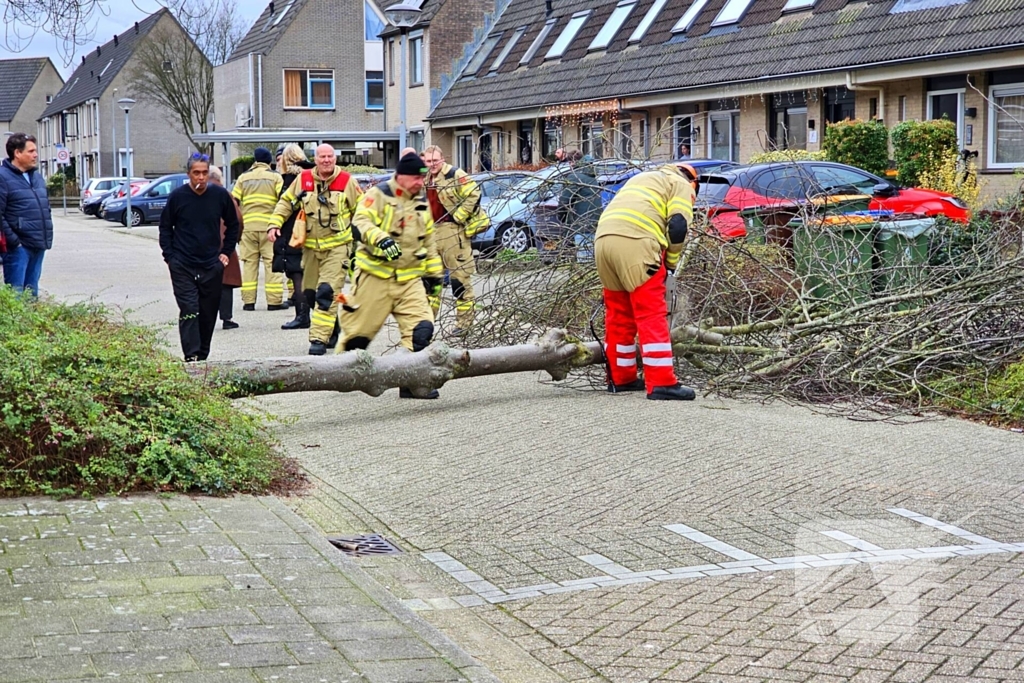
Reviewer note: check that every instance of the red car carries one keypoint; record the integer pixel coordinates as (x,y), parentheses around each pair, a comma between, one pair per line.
(790,184)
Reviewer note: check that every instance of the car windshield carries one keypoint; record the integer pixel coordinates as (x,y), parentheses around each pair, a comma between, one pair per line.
(713,189)
(532,189)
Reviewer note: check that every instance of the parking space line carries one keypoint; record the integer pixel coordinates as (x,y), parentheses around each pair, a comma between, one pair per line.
(711,542)
(850,540)
(942,526)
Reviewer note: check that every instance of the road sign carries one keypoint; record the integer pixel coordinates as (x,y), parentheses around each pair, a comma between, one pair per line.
(63,157)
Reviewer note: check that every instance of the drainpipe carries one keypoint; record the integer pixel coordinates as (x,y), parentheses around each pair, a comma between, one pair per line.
(259,75)
(880,90)
(252,104)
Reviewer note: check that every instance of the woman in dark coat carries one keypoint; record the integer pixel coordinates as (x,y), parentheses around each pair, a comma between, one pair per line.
(232,278)
(287,259)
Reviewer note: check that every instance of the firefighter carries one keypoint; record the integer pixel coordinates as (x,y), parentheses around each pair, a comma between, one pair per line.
(454,200)
(639,239)
(257,191)
(397,264)
(328,197)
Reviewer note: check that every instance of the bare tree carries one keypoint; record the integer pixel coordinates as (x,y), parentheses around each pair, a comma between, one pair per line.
(176,71)
(69,21)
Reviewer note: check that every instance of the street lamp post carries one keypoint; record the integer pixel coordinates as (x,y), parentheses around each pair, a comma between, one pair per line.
(127,103)
(402,16)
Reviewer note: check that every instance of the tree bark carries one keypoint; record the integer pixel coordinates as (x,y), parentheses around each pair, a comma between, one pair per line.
(553,353)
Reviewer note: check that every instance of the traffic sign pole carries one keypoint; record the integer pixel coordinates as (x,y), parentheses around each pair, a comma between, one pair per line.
(63,157)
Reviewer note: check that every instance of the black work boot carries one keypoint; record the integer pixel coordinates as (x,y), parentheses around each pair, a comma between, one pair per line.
(301,320)
(317,348)
(635,385)
(277,307)
(407,393)
(248,307)
(676,392)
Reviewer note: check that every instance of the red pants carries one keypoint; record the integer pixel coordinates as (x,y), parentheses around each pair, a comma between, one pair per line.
(641,311)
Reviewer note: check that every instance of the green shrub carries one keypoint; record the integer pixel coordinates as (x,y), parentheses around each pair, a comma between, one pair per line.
(240,165)
(357,168)
(864,144)
(88,406)
(920,146)
(997,397)
(786,155)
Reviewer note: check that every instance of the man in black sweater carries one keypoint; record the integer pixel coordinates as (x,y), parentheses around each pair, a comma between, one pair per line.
(191,246)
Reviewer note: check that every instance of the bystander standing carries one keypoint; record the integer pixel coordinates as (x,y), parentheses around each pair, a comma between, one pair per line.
(232,279)
(25,213)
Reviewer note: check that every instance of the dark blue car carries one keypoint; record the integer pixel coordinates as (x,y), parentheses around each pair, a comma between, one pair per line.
(621,171)
(148,203)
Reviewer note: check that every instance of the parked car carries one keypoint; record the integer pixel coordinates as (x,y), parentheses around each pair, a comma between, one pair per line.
(147,203)
(92,206)
(368,180)
(613,181)
(788,185)
(97,186)
(493,185)
(516,214)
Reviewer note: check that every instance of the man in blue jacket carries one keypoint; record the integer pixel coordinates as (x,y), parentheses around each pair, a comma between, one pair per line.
(25,214)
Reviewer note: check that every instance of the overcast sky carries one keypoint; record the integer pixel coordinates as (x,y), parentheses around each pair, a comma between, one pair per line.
(118,15)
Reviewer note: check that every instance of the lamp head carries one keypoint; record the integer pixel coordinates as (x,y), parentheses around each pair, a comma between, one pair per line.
(126,103)
(404,14)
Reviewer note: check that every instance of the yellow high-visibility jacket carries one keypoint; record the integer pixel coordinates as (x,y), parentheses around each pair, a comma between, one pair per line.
(645,203)
(257,191)
(328,222)
(460,196)
(389,211)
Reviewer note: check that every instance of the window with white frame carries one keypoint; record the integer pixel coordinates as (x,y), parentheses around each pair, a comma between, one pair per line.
(948,104)
(538,41)
(592,139)
(682,136)
(641,29)
(500,59)
(1005,129)
(308,89)
(391,61)
(689,16)
(375,90)
(732,12)
(565,39)
(724,135)
(416,59)
(611,27)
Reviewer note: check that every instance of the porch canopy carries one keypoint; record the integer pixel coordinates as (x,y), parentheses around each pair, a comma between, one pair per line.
(383,138)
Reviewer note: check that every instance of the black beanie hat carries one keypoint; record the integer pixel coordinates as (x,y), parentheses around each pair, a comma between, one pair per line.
(411,164)
(262,155)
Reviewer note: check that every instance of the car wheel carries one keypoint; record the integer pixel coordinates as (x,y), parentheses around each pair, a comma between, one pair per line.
(137,217)
(515,238)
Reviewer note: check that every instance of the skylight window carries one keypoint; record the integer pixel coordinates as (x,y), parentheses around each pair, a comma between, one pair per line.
(641,30)
(535,45)
(690,16)
(106,67)
(914,5)
(482,54)
(568,33)
(792,5)
(731,13)
(283,12)
(612,26)
(500,59)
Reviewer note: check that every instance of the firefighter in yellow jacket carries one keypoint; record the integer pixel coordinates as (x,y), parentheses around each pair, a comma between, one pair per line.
(639,236)
(328,197)
(397,264)
(454,200)
(257,191)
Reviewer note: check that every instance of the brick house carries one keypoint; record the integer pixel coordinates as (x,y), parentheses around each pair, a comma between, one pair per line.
(29,85)
(729,78)
(305,65)
(84,115)
(439,45)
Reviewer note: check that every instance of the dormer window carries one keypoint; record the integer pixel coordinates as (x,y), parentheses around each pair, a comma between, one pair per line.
(731,13)
(568,34)
(612,26)
(689,16)
(641,30)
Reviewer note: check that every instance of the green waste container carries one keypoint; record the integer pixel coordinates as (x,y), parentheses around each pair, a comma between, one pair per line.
(834,255)
(902,248)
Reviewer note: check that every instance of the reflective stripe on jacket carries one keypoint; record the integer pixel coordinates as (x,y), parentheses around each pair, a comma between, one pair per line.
(257,191)
(460,195)
(389,211)
(328,222)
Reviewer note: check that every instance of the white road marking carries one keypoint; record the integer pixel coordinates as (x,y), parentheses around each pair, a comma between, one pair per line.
(942,526)
(849,540)
(692,534)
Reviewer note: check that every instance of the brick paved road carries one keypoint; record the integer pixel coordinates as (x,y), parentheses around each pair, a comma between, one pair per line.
(516,481)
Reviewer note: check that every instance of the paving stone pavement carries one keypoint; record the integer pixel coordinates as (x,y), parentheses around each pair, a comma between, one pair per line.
(529,486)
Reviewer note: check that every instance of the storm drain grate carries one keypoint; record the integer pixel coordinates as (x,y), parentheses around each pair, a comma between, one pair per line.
(364,544)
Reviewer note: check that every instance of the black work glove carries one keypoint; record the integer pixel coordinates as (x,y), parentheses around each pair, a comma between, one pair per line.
(433,285)
(677,229)
(390,248)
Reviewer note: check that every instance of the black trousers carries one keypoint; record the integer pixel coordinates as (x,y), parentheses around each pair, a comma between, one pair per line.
(227,296)
(197,292)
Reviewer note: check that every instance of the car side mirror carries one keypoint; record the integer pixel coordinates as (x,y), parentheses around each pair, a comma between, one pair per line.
(883,190)
(152,193)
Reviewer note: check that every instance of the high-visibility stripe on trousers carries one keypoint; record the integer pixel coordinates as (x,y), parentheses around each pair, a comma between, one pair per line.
(457,257)
(642,313)
(254,247)
(318,268)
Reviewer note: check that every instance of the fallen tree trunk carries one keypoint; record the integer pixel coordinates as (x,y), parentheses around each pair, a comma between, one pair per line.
(554,353)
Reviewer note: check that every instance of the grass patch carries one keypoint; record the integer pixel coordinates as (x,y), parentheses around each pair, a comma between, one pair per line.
(997,399)
(89,407)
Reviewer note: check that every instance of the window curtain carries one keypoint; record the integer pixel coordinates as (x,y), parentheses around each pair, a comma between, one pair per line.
(293,88)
